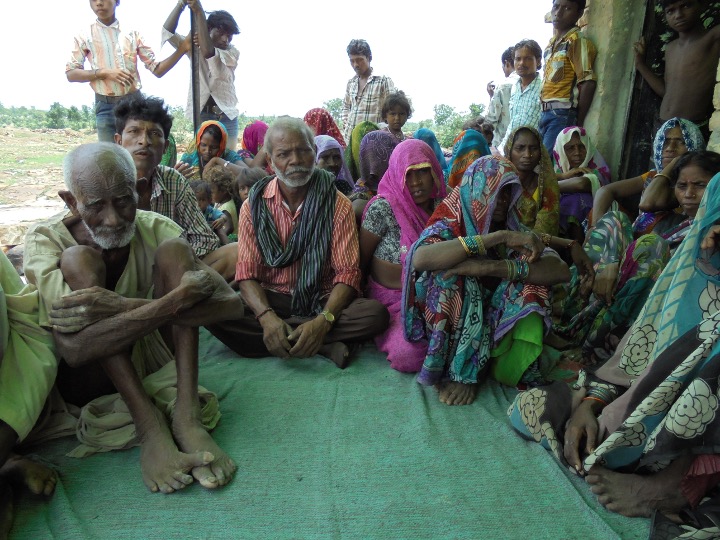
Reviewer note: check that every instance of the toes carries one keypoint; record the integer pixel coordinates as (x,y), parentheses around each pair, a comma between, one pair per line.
(152,486)
(166,489)
(183,478)
(205,476)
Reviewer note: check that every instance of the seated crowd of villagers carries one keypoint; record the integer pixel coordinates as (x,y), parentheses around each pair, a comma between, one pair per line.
(460,265)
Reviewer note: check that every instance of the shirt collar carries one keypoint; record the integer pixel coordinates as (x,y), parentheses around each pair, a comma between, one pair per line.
(158,186)
(114,24)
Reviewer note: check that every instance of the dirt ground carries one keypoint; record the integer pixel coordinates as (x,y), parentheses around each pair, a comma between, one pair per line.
(31,175)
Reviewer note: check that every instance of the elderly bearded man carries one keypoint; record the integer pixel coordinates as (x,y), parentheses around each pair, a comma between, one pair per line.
(109,276)
(298,260)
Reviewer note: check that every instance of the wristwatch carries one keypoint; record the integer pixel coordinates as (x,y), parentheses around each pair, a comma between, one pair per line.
(329,317)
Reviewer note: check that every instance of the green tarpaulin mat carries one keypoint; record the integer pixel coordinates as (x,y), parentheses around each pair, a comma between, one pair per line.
(364,452)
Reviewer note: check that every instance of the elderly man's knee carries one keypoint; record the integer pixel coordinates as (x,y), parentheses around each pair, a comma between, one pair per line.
(174,254)
(82,267)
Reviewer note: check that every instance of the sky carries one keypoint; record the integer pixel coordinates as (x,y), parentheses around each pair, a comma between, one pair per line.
(292,53)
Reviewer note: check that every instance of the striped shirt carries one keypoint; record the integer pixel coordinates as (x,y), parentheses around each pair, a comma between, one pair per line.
(524,107)
(568,61)
(108,47)
(366,105)
(173,197)
(342,265)
(217,77)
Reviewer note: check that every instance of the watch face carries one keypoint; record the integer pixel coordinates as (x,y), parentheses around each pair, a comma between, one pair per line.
(329,317)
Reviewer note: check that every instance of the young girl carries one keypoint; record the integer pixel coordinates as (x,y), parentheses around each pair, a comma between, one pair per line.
(396,110)
(223,192)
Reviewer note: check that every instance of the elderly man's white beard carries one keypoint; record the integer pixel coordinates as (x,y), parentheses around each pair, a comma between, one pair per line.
(289,182)
(110,237)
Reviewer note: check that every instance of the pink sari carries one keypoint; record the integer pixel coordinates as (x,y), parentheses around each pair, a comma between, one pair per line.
(409,154)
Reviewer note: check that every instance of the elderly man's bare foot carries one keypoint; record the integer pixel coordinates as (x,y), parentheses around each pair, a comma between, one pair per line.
(456,393)
(23,471)
(164,468)
(338,352)
(633,495)
(192,437)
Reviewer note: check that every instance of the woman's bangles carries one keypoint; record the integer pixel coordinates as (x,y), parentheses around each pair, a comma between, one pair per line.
(473,245)
(600,395)
(517,270)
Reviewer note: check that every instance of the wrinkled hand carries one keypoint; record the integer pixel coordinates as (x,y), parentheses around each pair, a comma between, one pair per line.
(309,337)
(470,267)
(120,76)
(528,244)
(712,239)
(84,307)
(184,168)
(582,425)
(219,223)
(275,335)
(639,47)
(491,88)
(604,287)
(585,268)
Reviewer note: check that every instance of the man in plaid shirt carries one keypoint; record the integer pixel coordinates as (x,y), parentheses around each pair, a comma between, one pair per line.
(365,92)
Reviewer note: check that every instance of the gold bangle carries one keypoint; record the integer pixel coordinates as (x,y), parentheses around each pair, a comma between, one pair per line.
(464,245)
(482,250)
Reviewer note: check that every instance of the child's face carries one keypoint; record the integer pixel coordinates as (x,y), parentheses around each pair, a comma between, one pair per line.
(244,191)
(202,199)
(396,118)
(218,194)
(525,62)
(575,151)
(684,15)
(565,14)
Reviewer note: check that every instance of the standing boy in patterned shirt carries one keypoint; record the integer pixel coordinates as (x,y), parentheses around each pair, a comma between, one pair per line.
(569,79)
(113,54)
(365,92)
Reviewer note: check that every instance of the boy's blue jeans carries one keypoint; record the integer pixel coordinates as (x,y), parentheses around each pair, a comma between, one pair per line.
(552,122)
(105,121)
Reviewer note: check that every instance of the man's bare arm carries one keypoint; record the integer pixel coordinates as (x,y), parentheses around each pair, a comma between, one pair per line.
(166,65)
(655,82)
(586,90)
(204,42)
(202,298)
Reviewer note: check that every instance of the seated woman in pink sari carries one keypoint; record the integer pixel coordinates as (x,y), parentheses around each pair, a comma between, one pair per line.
(392,222)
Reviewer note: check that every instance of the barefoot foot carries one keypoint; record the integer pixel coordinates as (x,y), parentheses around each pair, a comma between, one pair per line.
(192,437)
(456,393)
(164,468)
(25,472)
(634,495)
(338,352)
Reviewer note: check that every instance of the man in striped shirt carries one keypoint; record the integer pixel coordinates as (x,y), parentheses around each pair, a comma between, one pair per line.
(298,260)
(365,92)
(113,54)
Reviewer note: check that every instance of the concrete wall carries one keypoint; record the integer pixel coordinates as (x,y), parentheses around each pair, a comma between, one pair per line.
(614,26)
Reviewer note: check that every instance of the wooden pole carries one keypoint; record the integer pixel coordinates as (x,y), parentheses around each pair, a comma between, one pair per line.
(195,75)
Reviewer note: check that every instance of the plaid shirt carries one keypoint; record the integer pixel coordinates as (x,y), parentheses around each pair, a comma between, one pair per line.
(524,107)
(172,197)
(108,47)
(365,106)
(498,113)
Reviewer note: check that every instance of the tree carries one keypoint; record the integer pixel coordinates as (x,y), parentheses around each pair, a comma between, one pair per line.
(56,116)
(476,110)
(334,107)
